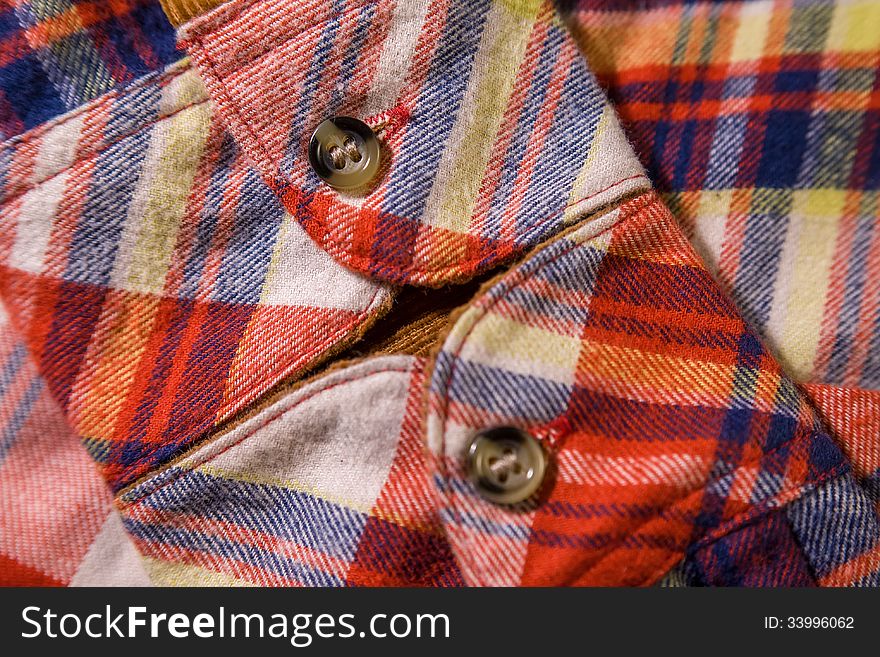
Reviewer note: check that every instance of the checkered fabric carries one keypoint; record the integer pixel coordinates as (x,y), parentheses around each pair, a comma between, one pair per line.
(495,134)
(829,537)
(760,124)
(672,430)
(157,281)
(57,522)
(329,487)
(167,257)
(728,466)
(853,418)
(56,55)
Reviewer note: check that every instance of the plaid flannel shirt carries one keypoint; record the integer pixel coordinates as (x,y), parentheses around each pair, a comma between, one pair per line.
(672,206)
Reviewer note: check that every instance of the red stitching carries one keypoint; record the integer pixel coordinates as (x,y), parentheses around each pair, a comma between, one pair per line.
(516,278)
(235,402)
(643,203)
(220,87)
(355,257)
(223,22)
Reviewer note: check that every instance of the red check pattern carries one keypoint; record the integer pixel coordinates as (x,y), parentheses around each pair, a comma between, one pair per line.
(56,55)
(759,123)
(228,514)
(162,284)
(670,426)
(494,134)
(157,282)
(58,526)
(853,418)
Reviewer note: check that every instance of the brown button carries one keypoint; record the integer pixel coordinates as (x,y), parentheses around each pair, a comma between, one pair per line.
(345,153)
(506,464)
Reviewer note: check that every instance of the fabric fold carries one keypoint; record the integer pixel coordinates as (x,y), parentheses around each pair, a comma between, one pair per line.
(157,282)
(327,487)
(58,526)
(494,133)
(673,432)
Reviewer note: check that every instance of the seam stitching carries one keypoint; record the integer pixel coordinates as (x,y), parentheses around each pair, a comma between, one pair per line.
(482,313)
(359,258)
(239,65)
(322,233)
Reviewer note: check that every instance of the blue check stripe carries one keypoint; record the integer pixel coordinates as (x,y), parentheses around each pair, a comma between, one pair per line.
(281,512)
